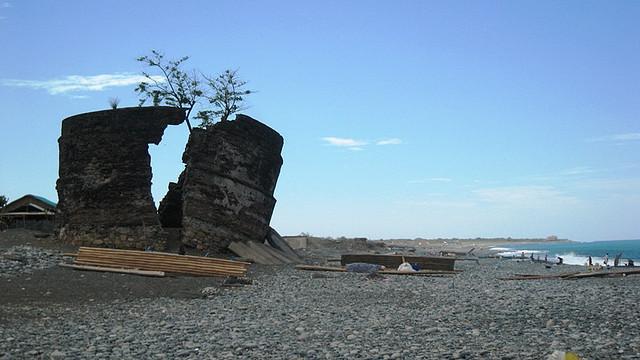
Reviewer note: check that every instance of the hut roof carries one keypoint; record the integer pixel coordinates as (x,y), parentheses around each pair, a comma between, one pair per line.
(29,204)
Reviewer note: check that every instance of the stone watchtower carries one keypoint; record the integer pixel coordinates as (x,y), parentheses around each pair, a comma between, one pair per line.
(104,185)
(225,193)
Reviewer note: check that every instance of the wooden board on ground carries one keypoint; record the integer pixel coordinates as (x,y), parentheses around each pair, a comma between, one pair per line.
(114,270)
(158,261)
(573,275)
(604,274)
(387,272)
(393,261)
(538,276)
(277,242)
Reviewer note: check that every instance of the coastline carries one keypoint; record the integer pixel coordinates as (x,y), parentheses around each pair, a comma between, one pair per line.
(480,246)
(52,312)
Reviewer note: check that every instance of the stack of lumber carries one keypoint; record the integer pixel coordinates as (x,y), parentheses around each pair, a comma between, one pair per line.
(386,272)
(159,262)
(393,261)
(262,254)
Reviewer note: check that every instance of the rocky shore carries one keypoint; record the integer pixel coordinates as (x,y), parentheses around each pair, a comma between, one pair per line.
(287,313)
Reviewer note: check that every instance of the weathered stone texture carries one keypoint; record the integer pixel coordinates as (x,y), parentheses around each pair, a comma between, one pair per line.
(104,188)
(170,208)
(227,186)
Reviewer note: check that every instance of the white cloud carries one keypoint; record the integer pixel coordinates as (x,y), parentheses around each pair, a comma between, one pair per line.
(5,5)
(634,136)
(433,179)
(392,141)
(579,170)
(344,142)
(522,195)
(79,83)
(625,185)
(628,136)
(439,204)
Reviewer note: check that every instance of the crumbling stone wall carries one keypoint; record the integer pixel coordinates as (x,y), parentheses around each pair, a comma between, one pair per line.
(225,193)
(104,185)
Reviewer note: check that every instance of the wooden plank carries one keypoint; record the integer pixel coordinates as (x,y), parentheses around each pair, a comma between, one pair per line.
(393,261)
(153,260)
(114,270)
(277,242)
(166,255)
(165,269)
(320,268)
(387,272)
(604,274)
(157,267)
(539,276)
(156,261)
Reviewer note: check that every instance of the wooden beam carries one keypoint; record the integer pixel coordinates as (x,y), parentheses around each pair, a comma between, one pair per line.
(114,270)
(386,272)
(393,261)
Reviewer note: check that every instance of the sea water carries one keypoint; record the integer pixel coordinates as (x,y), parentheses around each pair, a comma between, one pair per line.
(576,253)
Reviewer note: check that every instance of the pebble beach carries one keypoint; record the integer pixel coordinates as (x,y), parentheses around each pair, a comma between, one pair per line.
(294,314)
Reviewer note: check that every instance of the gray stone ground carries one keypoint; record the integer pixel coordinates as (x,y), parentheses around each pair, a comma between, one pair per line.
(288,313)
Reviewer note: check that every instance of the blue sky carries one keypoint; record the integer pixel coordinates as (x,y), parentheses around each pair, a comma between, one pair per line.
(400,118)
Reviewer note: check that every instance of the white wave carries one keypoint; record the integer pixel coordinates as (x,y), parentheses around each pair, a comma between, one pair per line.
(567,258)
(500,249)
(573,259)
(521,253)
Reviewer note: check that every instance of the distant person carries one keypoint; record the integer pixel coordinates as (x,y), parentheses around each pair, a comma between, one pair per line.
(560,260)
(605,261)
(531,256)
(545,257)
(590,261)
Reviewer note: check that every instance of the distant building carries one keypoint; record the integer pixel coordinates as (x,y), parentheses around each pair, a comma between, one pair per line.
(29,212)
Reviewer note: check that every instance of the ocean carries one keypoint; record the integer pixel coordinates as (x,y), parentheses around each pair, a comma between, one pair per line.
(577,253)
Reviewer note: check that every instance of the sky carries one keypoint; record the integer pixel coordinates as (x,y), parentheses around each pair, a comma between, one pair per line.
(401,119)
